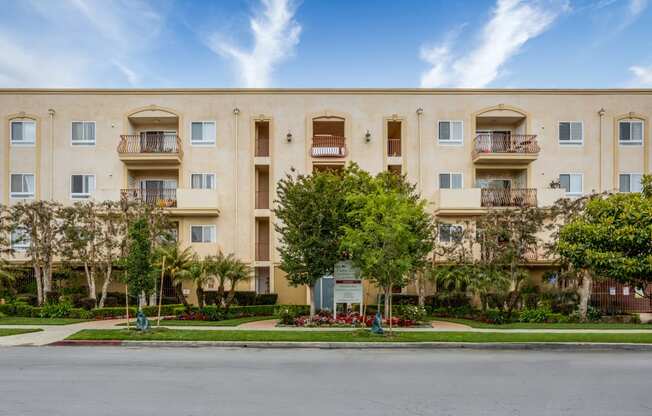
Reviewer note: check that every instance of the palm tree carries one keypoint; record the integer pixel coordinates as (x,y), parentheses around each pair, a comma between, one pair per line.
(239,272)
(199,276)
(227,269)
(176,265)
(6,277)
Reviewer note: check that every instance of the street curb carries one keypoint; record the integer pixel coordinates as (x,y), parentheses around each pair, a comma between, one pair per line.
(517,346)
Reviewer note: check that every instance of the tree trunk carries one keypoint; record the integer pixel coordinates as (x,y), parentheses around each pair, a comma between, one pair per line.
(142,300)
(105,285)
(179,291)
(585,294)
(388,296)
(47,278)
(39,285)
(312,301)
(421,290)
(200,296)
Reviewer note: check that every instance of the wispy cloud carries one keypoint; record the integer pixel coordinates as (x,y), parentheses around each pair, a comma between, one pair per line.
(275,36)
(642,76)
(512,24)
(76,43)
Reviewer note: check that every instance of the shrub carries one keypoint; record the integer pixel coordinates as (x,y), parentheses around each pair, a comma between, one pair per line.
(79,313)
(538,315)
(401,299)
(211,297)
(563,301)
(170,300)
(87,303)
(56,310)
(494,316)
(287,314)
(106,313)
(266,299)
(447,299)
(413,313)
(166,310)
(52,296)
(243,298)
(28,298)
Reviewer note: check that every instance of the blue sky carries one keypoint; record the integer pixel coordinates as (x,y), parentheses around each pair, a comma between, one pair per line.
(326,43)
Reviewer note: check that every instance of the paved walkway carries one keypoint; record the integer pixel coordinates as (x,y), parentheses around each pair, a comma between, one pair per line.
(54,333)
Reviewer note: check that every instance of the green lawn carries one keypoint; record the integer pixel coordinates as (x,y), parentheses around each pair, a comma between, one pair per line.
(17,331)
(164,334)
(524,325)
(226,322)
(15,320)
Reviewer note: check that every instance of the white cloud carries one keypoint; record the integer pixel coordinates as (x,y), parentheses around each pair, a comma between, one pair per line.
(76,43)
(642,76)
(636,7)
(275,34)
(512,24)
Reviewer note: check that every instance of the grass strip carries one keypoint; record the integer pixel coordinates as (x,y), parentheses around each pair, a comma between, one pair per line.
(225,322)
(164,334)
(16,320)
(527,325)
(17,331)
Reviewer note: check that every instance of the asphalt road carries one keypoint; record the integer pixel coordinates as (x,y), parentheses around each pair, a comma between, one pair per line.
(202,381)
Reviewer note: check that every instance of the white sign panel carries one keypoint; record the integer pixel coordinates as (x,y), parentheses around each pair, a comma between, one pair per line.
(348,286)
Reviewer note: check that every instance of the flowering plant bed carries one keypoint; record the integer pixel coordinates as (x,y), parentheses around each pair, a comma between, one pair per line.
(349,320)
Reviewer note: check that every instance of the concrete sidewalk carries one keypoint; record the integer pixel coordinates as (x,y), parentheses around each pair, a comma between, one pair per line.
(52,333)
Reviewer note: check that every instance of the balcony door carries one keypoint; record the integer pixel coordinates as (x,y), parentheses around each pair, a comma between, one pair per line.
(494,141)
(153,190)
(495,183)
(157,141)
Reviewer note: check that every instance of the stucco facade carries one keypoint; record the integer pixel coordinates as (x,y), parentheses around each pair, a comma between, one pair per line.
(506,141)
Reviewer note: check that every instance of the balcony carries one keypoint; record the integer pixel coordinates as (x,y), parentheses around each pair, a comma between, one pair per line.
(496,198)
(150,148)
(181,202)
(505,148)
(393,147)
(326,145)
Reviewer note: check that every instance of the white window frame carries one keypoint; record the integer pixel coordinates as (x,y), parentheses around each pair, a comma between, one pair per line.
(203,179)
(451,225)
(22,246)
(204,226)
(22,143)
(450,174)
(85,142)
(203,143)
(631,142)
(83,195)
(581,175)
(21,195)
(630,181)
(571,142)
(450,142)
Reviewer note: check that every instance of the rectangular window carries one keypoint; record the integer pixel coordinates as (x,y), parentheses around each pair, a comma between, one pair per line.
(571,182)
(23,132)
(571,132)
(82,186)
(451,132)
(202,181)
(449,233)
(22,185)
(202,132)
(83,133)
(630,182)
(450,181)
(202,233)
(20,239)
(631,132)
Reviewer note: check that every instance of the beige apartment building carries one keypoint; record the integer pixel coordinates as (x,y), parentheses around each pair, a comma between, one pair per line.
(212,157)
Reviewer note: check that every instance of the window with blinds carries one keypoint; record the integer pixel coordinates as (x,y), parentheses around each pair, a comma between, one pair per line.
(571,132)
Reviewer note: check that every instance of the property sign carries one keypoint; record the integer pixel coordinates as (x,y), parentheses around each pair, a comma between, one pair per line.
(348,286)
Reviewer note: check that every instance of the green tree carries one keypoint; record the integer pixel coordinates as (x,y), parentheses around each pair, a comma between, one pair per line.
(311,212)
(37,223)
(175,264)
(227,270)
(388,233)
(239,272)
(610,238)
(138,267)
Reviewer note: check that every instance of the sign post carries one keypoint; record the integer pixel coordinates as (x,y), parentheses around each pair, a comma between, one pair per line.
(348,285)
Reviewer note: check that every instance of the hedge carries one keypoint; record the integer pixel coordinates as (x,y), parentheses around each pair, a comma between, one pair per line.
(25,310)
(243,298)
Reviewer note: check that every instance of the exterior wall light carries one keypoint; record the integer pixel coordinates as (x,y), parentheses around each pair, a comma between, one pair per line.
(288,137)
(367,137)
